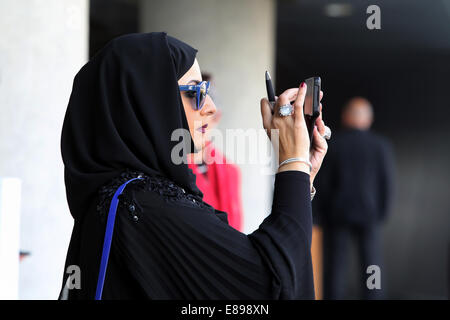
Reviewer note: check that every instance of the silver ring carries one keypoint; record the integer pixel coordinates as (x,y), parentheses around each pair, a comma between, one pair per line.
(286,110)
(327,134)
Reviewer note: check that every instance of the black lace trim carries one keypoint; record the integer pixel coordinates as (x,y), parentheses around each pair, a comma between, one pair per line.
(161,185)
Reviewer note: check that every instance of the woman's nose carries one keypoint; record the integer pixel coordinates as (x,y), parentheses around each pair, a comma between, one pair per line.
(209,108)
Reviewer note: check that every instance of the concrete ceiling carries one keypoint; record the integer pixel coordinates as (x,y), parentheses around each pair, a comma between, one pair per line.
(413,34)
(405,25)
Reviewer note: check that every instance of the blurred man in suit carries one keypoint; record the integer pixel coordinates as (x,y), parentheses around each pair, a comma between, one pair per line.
(354,192)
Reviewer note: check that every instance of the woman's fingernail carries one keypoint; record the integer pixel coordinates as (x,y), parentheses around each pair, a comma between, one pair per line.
(302,84)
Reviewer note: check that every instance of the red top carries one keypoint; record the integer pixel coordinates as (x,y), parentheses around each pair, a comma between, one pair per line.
(221,187)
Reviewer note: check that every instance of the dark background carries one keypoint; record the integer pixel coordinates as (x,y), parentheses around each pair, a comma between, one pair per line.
(403,69)
(109,19)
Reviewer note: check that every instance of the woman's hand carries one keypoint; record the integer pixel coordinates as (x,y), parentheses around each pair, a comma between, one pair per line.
(293,133)
(293,138)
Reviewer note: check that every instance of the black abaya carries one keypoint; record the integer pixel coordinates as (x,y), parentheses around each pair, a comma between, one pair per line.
(167,243)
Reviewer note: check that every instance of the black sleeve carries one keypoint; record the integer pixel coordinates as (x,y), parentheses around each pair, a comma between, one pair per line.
(183,252)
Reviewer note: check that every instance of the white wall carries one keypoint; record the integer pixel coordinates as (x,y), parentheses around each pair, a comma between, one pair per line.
(42,46)
(236,43)
(9,237)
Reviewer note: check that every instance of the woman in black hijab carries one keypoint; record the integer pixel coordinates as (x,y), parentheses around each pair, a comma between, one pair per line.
(167,243)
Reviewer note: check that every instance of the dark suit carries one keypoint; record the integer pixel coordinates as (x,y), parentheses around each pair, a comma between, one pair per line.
(354,190)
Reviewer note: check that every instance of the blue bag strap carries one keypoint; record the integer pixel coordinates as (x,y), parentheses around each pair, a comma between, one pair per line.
(108,238)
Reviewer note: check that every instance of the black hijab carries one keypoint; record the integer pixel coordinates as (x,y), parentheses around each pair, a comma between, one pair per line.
(124,106)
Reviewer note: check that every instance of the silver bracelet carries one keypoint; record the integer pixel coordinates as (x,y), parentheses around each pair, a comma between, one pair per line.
(313,192)
(296,160)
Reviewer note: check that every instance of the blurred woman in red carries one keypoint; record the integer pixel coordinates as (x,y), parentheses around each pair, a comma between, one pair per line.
(219,180)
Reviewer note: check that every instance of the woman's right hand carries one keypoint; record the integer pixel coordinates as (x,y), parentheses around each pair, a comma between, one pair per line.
(293,138)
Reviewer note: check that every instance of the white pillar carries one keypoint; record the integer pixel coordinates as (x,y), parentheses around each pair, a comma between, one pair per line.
(42,46)
(9,237)
(235,40)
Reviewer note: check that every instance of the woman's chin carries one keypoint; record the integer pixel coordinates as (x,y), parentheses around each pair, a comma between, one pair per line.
(200,144)
(195,158)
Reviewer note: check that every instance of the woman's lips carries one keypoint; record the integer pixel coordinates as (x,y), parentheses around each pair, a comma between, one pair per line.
(202,129)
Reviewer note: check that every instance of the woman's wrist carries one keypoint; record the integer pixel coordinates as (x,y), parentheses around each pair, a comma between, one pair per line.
(295,166)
